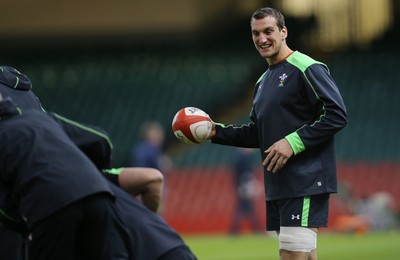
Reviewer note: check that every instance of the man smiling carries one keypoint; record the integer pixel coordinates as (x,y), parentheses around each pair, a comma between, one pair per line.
(297,110)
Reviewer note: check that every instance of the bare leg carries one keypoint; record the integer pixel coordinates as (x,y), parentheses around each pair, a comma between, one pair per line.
(313,255)
(289,255)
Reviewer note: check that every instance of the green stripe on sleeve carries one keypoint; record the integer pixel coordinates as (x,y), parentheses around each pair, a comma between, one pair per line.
(16,83)
(295,142)
(114,171)
(85,128)
(306,211)
(5,216)
(261,77)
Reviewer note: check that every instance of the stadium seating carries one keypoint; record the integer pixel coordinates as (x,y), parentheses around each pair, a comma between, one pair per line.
(122,90)
(119,91)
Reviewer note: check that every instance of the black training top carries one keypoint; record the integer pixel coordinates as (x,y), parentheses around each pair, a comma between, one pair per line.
(93,141)
(296,99)
(40,166)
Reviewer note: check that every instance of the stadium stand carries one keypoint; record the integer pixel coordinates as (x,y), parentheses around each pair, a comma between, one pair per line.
(120,90)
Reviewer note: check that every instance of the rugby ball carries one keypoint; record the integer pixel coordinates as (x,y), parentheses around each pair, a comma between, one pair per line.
(191,125)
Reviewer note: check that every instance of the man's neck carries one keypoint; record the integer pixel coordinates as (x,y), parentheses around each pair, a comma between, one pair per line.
(281,56)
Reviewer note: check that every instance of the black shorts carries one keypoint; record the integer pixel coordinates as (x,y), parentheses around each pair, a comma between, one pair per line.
(309,211)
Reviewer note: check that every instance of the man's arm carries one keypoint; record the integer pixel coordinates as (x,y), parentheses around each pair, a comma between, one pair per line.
(144,182)
(331,116)
(245,135)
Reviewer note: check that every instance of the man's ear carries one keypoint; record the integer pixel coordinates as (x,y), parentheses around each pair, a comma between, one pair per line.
(284,33)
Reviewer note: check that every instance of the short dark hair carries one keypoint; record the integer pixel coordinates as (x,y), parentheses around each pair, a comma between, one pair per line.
(268,11)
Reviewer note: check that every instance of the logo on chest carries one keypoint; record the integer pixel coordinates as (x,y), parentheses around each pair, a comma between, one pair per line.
(282,79)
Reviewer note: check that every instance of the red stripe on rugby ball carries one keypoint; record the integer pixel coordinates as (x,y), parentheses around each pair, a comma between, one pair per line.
(183,123)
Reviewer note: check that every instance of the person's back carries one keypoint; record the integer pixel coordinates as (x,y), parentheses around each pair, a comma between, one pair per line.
(42,171)
(165,243)
(57,189)
(17,86)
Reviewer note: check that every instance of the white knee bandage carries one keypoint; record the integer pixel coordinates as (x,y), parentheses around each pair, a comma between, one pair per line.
(297,239)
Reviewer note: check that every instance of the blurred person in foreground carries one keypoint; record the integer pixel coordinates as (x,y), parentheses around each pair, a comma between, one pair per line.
(67,206)
(246,188)
(152,238)
(92,140)
(18,86)
(297,110)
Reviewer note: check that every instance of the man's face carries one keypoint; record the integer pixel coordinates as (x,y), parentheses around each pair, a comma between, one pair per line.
(267,38)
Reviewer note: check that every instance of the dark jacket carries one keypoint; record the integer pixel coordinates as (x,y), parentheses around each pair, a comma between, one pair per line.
(296,99)
(40,166)
(93,141)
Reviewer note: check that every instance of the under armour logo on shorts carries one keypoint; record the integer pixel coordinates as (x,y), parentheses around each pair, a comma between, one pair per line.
(295,217)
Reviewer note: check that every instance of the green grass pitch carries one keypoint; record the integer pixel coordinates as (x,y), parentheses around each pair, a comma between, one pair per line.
(331,246)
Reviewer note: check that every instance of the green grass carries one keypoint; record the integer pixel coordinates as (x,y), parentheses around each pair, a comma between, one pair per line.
(370,246)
